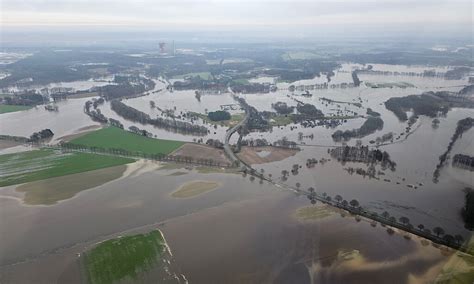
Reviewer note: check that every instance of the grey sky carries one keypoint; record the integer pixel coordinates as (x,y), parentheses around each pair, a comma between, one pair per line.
(236,14)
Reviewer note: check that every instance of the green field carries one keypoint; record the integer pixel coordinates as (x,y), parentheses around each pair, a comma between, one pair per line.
(123,258)
(113,137)
(12,108)
(42,164)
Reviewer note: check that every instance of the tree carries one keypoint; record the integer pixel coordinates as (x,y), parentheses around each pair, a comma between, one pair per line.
(354,203)
(385,214)
(404,220)
(344,203)
(459,239)
(392,219)
(338,198)
(311,189)
(438,231)
(298,185)
(421,227)
(448,239)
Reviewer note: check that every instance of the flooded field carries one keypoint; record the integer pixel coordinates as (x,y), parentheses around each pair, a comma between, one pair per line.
(227,228)
(254,223)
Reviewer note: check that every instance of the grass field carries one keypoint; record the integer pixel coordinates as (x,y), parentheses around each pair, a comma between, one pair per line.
(113,137)
(12,108)
(123,258)
(42,164)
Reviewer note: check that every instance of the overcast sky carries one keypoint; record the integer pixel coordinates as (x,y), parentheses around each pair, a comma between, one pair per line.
(237,14)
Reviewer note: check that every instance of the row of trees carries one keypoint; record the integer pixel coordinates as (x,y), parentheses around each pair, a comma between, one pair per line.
(95,113)
(426,104)
(362,154)
(282,108)
(127,86)
(29,98)
(218,115)
(371,125)
(134,154)
(462,126)
(256,121)
(135,115)
(463,161)
(386,218)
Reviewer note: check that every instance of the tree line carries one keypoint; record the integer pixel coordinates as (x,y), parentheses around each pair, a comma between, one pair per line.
(371,125)
(135,115)
(137,154)
(462,126)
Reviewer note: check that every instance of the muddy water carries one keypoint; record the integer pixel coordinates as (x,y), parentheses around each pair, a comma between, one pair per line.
(430,204)
(243,232)
(140,199)
(67,120)
(259,241)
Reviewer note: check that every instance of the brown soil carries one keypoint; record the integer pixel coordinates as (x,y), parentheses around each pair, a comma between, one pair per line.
(250,154)
(197,151)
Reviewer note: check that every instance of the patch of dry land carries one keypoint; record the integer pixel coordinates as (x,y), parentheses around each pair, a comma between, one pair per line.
(194,188)
(50,191)
(198,151)
(266,154)
(310,213)
(80,132)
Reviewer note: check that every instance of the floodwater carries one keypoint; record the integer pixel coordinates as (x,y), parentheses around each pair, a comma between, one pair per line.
(66,121)
(243,232)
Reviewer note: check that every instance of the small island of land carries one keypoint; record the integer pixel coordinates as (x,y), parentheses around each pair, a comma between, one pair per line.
(194,188)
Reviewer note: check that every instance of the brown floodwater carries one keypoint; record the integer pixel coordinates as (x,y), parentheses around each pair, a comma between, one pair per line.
(245,232)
